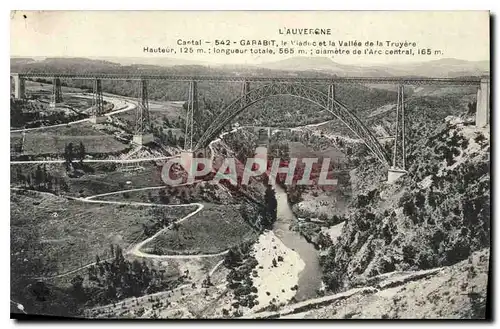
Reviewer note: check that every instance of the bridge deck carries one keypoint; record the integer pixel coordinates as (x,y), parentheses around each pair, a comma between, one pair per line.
(336,80)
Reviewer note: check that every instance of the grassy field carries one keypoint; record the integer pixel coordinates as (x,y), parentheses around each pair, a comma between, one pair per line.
(39,87)
(214,229)
(46,143)
(54,140)
(101,181)
(44,91)
(78,103)
(71,233)
(146,175)
(81,129)
(16,143)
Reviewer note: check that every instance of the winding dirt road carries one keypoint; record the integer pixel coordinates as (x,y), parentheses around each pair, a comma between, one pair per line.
(135,248)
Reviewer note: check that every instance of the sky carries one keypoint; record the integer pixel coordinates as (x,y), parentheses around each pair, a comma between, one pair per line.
(459,34)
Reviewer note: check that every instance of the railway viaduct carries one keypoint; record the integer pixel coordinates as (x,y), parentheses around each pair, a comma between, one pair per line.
(266,87)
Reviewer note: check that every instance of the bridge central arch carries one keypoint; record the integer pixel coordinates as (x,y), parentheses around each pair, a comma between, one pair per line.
(327,102)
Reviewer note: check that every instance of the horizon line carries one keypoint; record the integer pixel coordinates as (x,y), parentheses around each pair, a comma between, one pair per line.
(205,63)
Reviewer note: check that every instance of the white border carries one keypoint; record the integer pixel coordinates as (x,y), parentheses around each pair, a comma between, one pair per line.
(191,5)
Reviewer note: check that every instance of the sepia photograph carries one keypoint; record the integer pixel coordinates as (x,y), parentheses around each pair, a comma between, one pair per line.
(250,165)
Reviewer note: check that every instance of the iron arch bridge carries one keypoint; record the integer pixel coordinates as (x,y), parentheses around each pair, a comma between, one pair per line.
(325,101)
(274,86)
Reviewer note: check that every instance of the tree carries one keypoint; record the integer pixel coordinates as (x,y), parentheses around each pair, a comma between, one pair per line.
(38,176)
(29,181)
(68,155)
(323,241)
(166,123)
(285,152)
(81,152)
(19,174)
(170,138)
(207,282)
(163,196)
(119,254)
(78,291)
(233,258)
(270,208)
(175,226)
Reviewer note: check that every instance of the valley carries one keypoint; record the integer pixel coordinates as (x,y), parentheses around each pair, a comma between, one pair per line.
(97,233)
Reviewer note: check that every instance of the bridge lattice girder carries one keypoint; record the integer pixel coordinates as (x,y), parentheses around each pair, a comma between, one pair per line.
(274,79)
(338,109)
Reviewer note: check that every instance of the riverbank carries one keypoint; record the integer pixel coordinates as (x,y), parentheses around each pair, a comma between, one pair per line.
(278,270)
(310,277)
(451,292)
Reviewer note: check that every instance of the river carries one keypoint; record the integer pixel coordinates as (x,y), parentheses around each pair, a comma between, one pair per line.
(310,276)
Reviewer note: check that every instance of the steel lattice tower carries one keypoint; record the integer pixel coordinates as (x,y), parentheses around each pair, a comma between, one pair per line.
(98,106)
(192,107)
(142,121)
(56,91)
(245,89)
(399,150)
(331,97)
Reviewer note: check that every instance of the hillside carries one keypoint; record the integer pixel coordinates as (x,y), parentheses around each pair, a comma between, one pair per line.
(136,66)
(454,292)
(435,216)
(446,67)
(415,248)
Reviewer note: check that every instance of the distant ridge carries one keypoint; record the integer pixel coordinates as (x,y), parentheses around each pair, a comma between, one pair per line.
(158,61)
(446,67)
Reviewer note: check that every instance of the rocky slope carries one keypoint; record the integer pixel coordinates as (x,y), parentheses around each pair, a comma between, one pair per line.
(457,291)
(435,216)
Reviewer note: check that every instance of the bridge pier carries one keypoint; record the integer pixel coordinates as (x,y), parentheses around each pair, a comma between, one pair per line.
(19,86)
(142,139)
(245,89)
(143,133)
(192,107)
(187,161)
(98,104)
(98,119)
(331,91)
(331,97)
(398,168)
(483,104)
(394,174)
(56,93)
